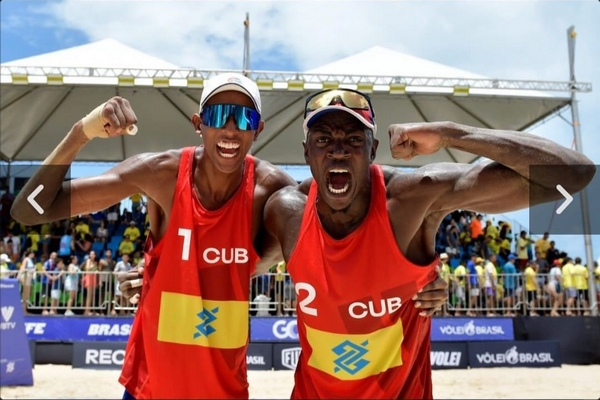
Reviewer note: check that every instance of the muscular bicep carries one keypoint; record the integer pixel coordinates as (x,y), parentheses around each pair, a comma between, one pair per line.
(282,218)
(85,195)
(99,192)
(486,187)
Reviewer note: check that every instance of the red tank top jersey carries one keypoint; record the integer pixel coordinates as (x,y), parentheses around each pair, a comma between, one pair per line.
(360,333)
(190,334)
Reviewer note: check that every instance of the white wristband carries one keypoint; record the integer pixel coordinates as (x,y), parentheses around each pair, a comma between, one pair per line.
(93,124)
(136,282)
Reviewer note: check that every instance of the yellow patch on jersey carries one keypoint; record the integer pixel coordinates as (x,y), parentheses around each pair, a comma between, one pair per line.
(352,357)
(195,321)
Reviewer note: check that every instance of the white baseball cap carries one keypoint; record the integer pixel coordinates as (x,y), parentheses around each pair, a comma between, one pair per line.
(4,258)
(230,81)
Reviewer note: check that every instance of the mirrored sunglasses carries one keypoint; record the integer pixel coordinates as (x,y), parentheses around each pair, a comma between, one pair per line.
(216,116)
(352,99)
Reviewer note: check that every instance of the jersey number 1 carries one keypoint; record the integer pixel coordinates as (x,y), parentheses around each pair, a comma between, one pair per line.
(187,239)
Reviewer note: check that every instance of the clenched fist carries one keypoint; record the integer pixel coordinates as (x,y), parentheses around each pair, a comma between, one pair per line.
(113,118)
(410,140)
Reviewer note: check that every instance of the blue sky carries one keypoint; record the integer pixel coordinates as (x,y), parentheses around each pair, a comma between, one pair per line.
(502,39)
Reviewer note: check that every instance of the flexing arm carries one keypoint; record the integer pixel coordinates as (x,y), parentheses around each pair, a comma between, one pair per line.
(270,180)
(59,199)
(477,187)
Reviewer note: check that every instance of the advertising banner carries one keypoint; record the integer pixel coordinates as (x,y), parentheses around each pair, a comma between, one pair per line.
(514,354)
(449,355)
(471,329)
(15,357)
(273,329)
(285,355)
(77,329)
(98,355)
(259,356)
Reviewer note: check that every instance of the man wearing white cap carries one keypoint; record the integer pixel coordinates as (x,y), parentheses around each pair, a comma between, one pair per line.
(5,271)
(205,209)
(359,239)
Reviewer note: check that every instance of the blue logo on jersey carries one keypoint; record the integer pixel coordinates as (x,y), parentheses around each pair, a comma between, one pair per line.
(207,318)
(350,356)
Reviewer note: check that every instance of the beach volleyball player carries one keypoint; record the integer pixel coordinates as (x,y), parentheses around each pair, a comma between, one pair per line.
(359,239)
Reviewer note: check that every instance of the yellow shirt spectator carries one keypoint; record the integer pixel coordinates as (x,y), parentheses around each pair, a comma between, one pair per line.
(126,247)
(580,277)
(82,229)
(522,244)
(45,230)
(531,284)
(542,245)
(464,237)
(597,273)
(567,273)
(34,237)
(133,232)
(459,275)
(495,246)
(480,274)
(491,230)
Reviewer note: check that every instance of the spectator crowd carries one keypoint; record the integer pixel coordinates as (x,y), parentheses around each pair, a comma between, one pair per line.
(70,267)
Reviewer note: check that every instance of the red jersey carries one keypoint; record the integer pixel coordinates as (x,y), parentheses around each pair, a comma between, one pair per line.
(360,333)
(190,334)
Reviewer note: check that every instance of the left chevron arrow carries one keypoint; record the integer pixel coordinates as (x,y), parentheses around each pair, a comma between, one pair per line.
(31,199)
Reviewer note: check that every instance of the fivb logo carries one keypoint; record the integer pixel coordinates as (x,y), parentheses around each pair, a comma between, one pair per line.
(7,313)
(207,317)
(289,357)
(350,356)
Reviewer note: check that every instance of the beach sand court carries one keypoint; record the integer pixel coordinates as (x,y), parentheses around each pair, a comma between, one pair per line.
(567,382)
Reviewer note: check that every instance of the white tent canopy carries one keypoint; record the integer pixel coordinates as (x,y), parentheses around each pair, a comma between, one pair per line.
(43,96)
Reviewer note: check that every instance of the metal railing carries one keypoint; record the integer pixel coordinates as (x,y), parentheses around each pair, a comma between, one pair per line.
(516,294)
(96,293)
(82,293)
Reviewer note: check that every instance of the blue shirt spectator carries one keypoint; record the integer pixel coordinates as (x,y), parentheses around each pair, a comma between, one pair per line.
(65,244)
(510,271)
(473,279)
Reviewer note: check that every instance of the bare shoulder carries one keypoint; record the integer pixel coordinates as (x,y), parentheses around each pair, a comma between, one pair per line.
(289,200)
(154,173)
(160,160)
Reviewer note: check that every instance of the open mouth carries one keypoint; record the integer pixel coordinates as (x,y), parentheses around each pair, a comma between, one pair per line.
(338,180)
(227,149)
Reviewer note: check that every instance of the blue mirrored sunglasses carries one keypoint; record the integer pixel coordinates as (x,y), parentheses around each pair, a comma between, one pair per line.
(216,116)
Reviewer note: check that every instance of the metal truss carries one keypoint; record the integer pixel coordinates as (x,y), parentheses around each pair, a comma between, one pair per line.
(277,80)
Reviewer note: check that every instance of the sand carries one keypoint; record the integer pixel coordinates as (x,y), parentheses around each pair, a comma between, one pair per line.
(567,382)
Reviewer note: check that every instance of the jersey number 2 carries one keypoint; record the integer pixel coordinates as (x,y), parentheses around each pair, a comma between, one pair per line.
(312,293)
